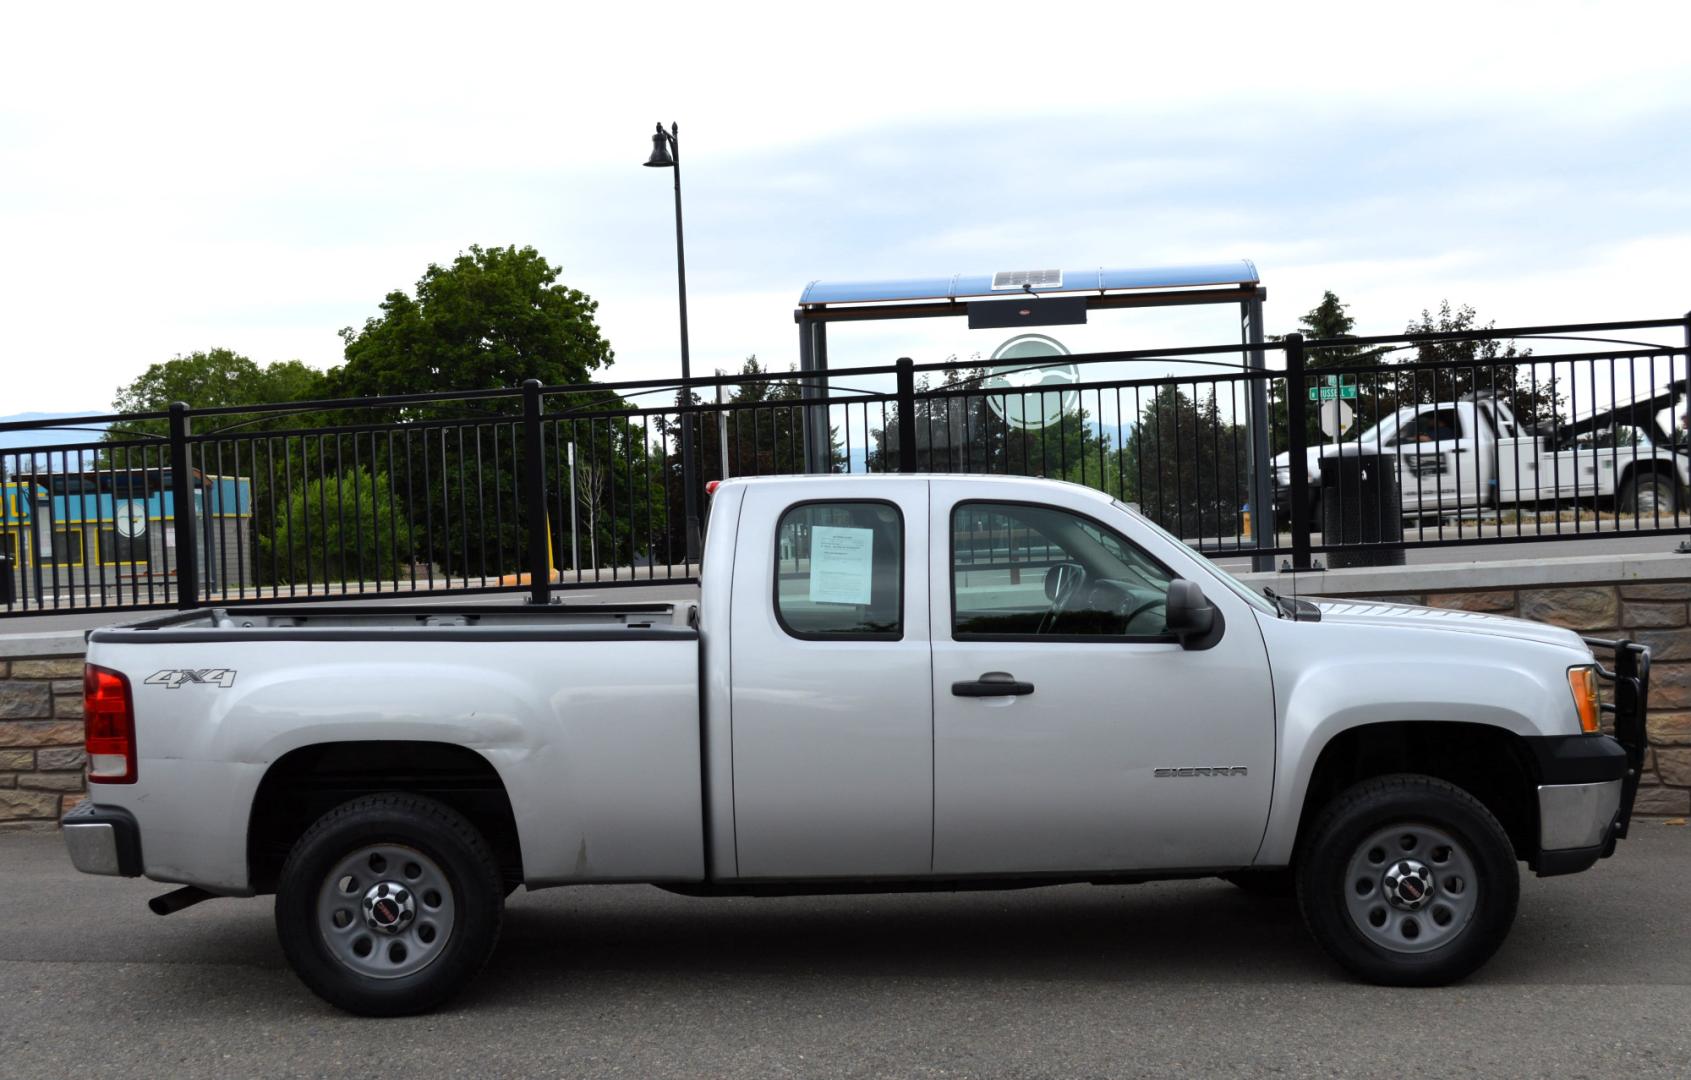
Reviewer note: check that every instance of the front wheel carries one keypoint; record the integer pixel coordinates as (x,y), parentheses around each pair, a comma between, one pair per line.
(1648,495)
(1408,881)
(389,904)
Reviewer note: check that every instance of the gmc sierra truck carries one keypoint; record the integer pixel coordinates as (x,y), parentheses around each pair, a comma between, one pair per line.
(889,683)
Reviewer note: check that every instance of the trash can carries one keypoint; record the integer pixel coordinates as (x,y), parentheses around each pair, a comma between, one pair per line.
(1360,505)
(6,594)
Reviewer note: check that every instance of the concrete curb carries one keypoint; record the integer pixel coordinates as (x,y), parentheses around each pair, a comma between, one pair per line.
(1486,576)
(52,643)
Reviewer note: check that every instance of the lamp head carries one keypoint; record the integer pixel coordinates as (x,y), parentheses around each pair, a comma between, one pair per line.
(661,157)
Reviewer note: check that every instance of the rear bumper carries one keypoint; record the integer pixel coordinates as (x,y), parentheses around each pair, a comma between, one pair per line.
(103,840)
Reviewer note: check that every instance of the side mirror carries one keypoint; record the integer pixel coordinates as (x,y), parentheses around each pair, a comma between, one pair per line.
(1189,613)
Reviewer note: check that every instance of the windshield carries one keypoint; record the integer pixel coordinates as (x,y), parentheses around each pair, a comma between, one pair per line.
(1383,431)
(1244,591)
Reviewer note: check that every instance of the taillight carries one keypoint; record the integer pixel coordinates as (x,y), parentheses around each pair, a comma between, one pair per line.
(108,718)
(711,486)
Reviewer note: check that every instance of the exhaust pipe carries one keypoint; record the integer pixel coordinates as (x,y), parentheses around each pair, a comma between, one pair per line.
(172,902)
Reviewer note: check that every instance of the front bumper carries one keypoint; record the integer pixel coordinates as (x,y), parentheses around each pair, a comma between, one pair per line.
(1587,783)
(103,840)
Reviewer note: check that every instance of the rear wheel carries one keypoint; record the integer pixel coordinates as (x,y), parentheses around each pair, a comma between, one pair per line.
(389,904)
(1408,881)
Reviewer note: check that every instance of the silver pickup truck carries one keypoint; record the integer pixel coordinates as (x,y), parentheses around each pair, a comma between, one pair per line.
(897,682)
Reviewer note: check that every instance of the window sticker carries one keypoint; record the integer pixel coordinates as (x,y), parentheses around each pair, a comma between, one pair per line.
(841,564)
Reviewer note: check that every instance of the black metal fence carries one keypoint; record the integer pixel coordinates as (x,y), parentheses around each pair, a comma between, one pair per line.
(1353,450)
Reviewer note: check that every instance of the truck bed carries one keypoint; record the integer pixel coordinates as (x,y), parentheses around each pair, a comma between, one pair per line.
(396,622)
(588,714)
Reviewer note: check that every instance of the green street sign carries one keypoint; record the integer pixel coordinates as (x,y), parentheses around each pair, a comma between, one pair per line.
(1329,393)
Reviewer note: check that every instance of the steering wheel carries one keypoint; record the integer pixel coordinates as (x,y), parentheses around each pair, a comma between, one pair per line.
(1069,584)
(1127,620)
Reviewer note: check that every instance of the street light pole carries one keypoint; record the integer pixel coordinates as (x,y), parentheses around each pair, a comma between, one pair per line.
(666,154)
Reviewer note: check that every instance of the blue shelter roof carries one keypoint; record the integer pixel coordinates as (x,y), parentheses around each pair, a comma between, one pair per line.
(1044,282)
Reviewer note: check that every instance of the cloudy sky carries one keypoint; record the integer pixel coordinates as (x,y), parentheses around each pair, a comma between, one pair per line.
(175,178)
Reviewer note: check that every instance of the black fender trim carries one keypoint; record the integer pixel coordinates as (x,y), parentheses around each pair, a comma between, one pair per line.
(1577,759)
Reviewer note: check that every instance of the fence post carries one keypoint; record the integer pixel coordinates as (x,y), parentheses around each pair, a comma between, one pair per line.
(906,414)
(1684,546)
(182,513)
(6,587)
(1297,452)
(534,491)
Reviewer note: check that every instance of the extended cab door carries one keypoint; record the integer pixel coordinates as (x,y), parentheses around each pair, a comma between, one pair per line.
(1110,747)
(832,714)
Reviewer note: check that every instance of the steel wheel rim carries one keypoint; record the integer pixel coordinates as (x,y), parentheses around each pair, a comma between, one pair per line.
(1649,498)
(1387,872)
(386,911)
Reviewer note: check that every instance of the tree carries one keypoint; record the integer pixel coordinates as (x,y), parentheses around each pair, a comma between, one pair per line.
(1483,366)
(343,528)
(958,430)
(765,436)
(1186,467)
(1330,320)
(492,318)
(215,379)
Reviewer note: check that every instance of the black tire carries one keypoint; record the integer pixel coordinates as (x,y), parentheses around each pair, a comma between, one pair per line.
(1648,494)
(1337,861)
(1267,884)
(470,900)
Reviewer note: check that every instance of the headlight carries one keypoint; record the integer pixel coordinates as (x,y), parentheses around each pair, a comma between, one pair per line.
(1583,682)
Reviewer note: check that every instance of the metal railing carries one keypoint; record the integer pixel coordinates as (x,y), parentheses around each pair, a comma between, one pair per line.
(1461,438)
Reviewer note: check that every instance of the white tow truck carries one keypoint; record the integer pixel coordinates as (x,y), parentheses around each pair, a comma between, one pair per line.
(1460,457)
(889,683)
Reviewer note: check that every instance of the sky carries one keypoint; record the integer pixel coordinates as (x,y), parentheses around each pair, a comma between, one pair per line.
(177,177)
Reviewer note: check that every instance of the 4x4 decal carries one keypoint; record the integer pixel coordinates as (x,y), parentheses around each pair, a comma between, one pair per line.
(175,679)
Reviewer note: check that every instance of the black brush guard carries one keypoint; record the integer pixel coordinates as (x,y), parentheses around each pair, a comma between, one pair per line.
(1629,706)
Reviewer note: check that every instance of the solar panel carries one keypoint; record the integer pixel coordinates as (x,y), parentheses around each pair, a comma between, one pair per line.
(1021,279)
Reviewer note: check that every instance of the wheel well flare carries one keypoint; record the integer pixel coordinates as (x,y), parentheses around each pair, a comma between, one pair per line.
(307,783)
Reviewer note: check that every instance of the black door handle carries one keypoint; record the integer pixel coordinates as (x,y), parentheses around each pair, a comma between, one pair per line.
(992,684)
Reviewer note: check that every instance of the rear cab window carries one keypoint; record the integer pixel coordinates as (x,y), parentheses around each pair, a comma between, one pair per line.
(839,571)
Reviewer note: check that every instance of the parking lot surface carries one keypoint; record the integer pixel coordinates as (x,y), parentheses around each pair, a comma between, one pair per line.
(1183,978)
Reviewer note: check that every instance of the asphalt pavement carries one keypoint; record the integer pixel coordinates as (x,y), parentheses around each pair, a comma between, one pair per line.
(1188,978)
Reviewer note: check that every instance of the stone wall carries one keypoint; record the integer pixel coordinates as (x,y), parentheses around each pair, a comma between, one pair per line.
(1644,598)
(41,757)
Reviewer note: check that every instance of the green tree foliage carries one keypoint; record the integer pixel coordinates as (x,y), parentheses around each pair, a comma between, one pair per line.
(343,528)
(214,379)
(957,430)
(623,510)
(1330,320)
(765,437)
(1485,366)
(217,378)
(1186,467)
(492,318)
